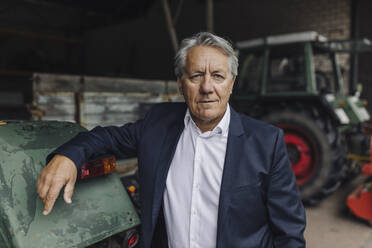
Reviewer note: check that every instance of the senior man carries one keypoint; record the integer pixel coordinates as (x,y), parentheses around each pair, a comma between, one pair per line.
(209,176)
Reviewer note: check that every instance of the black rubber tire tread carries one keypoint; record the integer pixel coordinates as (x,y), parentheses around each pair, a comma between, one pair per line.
(331,164)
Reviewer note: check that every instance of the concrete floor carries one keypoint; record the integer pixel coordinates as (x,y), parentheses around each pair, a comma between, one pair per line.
(331,226)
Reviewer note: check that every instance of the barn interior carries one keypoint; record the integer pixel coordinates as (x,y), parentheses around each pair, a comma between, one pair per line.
(107,62)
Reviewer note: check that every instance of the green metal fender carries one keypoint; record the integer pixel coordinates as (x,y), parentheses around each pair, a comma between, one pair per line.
(100,206)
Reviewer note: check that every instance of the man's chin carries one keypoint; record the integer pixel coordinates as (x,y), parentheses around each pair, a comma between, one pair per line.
(208,118)
(207,115)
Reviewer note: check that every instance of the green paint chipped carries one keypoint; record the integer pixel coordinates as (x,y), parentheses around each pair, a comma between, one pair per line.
(89,219)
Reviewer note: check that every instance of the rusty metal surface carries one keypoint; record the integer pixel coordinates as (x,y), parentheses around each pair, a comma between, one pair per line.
(100,208)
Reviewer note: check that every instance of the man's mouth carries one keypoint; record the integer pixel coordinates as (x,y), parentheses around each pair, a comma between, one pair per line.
(207,101)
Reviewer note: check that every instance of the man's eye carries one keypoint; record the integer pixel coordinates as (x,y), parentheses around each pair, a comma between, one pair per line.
(197,76)
(218,76)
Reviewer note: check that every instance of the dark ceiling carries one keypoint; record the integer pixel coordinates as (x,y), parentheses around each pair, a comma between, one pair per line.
(123,8)
(57,14)
(119,8)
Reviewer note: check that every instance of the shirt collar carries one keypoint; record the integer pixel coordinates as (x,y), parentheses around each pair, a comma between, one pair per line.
(222,127)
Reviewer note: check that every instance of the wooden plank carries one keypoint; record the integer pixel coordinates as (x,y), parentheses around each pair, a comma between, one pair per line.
(57,104)
(124,85)
(44,82)
(105,101)
(172,87)
(110,97)
(56,98)
(93,108)
(176,98)
(57,110)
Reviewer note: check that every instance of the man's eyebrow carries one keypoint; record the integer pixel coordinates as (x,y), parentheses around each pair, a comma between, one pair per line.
(219,70)
(195,71)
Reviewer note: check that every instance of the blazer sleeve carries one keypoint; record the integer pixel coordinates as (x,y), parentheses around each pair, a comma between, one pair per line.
(121,142)
(285,209)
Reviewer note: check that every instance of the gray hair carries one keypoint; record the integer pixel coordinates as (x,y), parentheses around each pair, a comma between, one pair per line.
(204,39)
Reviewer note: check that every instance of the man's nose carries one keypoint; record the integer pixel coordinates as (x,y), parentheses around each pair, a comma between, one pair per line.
(206,86)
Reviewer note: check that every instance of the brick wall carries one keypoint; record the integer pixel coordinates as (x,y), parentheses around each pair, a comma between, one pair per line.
(364,11)
(262,17)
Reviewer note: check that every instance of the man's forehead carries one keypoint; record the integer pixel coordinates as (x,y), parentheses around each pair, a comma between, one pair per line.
(201,56)
(202,68)
(197,50)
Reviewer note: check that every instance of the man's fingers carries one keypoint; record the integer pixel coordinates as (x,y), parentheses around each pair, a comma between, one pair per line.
(43,191)
(51,197)
(59,172)
(69,191)
(43,187)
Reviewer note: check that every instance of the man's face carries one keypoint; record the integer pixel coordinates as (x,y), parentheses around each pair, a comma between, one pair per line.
(206,85)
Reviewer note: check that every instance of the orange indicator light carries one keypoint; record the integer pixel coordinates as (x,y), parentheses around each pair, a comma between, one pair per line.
(97,167)
(132,189)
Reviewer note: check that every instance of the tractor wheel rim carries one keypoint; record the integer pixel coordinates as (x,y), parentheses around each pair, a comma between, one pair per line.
(302,153)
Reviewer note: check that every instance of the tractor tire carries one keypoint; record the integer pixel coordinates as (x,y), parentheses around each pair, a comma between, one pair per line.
(315,151)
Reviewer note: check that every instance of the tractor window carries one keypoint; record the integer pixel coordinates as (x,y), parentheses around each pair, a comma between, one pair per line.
(324,76)
(286,73)
(250,73)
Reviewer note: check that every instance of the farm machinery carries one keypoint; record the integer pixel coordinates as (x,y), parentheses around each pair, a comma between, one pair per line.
(296,82)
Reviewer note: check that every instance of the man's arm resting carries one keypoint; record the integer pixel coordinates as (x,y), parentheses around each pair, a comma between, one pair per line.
(286,212)
(62,164)
(118,141)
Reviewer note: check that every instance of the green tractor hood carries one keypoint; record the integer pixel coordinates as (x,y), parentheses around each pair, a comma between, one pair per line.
(100,206)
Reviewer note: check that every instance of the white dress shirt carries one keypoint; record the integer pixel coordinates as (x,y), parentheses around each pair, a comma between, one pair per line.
(191,196)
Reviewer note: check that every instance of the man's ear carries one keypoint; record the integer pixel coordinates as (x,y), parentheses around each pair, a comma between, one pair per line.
(180,87)
(232,83)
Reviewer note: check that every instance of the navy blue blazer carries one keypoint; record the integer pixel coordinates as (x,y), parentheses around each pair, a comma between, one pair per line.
(259,205)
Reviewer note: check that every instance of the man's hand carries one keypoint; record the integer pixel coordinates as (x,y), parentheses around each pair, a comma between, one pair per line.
(59,172)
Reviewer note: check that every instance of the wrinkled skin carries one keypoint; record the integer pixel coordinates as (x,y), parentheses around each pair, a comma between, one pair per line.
(206,85)
(60,171)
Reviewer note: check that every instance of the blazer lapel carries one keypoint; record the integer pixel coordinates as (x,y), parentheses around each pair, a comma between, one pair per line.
(233,153)
(168,149)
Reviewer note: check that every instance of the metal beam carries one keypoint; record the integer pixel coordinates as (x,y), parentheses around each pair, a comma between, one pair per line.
(353,77)
(209,15)
(170,25)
